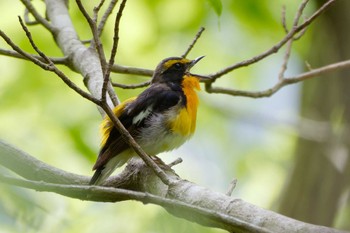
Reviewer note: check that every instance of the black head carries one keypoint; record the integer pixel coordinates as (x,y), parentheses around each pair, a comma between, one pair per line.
(173,69)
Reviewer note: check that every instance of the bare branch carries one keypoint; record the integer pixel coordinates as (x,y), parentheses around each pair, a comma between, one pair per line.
(291,35)
(281,83)
(106,79)
(27,20)
(232,186)
(97,9)
(277,46)
(175,162)
(97,41)
(201,205)
(199,33)
(36,15)
(14,54)
(299,12)
(290,42)
(319,71)
(107,194)
(284,23)
(131,86)
(131,70)
(47,66)
(105,16)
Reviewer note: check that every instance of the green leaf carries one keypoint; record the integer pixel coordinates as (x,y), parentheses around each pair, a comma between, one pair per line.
(217,5)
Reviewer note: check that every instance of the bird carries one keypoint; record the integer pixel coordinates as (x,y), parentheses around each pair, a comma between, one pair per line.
(160,119)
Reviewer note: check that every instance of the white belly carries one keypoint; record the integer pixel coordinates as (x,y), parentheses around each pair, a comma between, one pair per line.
(155,138)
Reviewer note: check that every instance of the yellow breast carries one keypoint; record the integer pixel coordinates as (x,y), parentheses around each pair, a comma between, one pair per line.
(185,121)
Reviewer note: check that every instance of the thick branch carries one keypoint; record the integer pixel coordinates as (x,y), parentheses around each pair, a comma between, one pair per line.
(183,199)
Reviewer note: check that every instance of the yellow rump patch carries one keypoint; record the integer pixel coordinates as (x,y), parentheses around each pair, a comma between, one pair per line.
(107,125)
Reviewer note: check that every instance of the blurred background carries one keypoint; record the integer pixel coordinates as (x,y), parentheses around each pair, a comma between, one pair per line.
(289,152)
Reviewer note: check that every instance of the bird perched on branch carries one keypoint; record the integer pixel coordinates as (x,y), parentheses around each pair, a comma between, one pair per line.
(160,119)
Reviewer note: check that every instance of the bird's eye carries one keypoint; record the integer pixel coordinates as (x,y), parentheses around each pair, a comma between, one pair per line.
(177,66)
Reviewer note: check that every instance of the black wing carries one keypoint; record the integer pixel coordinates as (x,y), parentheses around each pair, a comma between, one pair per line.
(155,99)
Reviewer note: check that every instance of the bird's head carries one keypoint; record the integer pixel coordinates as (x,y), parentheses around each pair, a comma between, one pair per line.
(173,69)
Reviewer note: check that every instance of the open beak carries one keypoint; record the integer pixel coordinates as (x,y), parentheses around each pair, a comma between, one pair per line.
(191,64)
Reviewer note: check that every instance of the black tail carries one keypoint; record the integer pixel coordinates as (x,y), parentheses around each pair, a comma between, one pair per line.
(96,177)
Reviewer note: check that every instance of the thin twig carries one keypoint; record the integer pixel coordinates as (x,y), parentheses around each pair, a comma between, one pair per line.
(274,48)
(97,9)
(99,47)
(29,36)
(131,70)
(175,162)
(105,16)
(38,18)
(50,67)
(290,42)
(106,75)
(231,187)
(281,83)
(27,20)
(300,34)
(97,41)
(131,86)
(284,22)
(285,59)
(199,33)
(299,12)
(14,54)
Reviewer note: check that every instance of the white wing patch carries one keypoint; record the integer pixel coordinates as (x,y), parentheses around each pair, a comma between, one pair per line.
(142,115)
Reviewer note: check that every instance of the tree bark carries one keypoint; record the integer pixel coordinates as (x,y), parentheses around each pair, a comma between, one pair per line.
(138,182)
(321,172)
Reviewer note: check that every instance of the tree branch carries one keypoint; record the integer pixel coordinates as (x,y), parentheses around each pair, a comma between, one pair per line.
(83,60)
(182,199)
(289,38)
(105,16)
(131,86)
(188,50)
(131,70)
(106,79)
(14,54)
(276,47)
(36,15)
(282,82)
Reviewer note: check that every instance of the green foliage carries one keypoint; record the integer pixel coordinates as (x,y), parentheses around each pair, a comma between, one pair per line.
(217,6)
(42,116)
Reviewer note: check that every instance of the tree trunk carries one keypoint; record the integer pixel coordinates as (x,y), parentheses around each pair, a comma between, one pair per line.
(321,172)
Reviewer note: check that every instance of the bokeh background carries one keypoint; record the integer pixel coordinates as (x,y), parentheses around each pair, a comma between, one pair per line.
(256,141)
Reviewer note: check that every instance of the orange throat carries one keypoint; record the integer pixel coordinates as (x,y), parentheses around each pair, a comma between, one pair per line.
(185,122)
